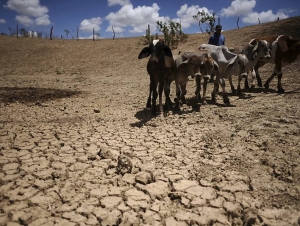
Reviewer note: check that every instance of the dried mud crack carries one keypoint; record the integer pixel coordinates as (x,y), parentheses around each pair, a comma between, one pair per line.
(81,149)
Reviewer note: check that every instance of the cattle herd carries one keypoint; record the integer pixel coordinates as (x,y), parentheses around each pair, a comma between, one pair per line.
(207,59)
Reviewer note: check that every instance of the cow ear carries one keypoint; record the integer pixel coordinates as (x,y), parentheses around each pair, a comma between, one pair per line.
(144,53)
(254,51)
(168,52)
(253,42)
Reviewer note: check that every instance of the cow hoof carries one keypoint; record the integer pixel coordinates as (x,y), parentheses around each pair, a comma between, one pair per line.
(281,90)
(259,83)
(148,106)
(233,91)
(239,92)
(226,100)
(266,85)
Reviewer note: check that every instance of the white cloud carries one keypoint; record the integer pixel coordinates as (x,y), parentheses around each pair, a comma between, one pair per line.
(28,8)
(267,16)
(137,18)
(244,8)
(24,20)
(31,12)
(2,21)
(87,25)
(118,2)
(185,15)
(239,7)
(42,20)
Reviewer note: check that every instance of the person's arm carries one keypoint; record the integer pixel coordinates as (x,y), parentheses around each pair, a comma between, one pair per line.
(224,41)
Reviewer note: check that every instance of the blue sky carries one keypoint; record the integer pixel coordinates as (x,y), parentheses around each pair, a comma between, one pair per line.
(131,17)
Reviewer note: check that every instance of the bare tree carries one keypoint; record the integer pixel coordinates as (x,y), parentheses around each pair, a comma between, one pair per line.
(204,17)
(23,31)
(10,31)
(67,32)
(237,23)
(97,35)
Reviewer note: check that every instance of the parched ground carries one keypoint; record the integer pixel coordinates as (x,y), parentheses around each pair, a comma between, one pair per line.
(78,147)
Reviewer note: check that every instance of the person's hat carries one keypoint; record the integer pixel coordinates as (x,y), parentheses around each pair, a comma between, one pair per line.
(219,27)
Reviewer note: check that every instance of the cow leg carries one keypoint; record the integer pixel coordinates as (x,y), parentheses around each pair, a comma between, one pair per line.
(183,91)
(177,92)
(258,78)
(198,87)
(149,98)
(160,91)
(231,84)
(225,95)
(167,93)
(239,84)
(216,87)
(204,90)
(154,96)
(277,71)
(280,89)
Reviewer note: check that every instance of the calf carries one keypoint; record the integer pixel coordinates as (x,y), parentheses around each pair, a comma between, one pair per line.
(284,50)
(254,53)
(161,68)
(229,64)
(197,64)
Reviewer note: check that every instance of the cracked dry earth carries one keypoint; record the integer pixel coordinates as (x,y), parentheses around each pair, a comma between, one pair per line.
(79,148)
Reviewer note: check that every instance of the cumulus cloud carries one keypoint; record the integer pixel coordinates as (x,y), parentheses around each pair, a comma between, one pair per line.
(137,18)
(87,25)
(42,20)
(118,2)
(244,8)
(252,18)
(31,12)
(24,20)
(185,15)
(28,8)
(239,7)
(2,21)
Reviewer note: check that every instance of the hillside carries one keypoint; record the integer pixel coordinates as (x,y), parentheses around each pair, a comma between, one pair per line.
(78,146)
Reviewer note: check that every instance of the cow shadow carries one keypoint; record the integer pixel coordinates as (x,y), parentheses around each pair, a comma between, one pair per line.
(143,116)
(25,95)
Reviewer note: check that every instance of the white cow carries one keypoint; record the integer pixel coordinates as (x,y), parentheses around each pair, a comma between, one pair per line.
(229,63)
(255,52)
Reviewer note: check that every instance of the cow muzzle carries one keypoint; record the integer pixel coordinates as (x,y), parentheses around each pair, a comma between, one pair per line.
(244,75)
(198,74)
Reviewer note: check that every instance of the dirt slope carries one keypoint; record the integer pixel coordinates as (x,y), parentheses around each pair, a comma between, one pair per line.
(77,146)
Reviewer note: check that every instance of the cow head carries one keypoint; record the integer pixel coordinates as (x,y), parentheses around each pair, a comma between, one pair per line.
(200,65)
(155,49)
(237,65)
(261,50)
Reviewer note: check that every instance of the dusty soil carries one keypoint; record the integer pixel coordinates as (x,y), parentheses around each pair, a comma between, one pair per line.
(78,147)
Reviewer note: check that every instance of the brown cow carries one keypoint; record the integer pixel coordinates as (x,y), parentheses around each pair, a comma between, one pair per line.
(161,68)
(284,50)
(198,65)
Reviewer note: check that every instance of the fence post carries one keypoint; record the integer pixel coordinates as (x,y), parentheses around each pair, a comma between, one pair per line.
(51,33)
